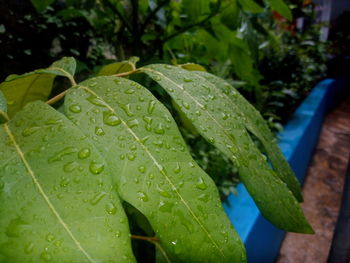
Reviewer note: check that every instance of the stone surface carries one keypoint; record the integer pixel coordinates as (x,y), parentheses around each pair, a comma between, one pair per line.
(322,190)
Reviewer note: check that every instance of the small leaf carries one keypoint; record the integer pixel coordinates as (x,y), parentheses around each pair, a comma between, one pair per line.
(193,67)
(153,169)
(57,202)
(64,67)
(218,120)
(115,68)
(251,6)
(41,5)
(255,123)
(281,7)
(36,85)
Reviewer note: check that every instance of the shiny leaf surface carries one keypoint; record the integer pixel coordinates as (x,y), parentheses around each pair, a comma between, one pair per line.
(154,170)
(254,122)
(212,113)
(57,202)
(36,85)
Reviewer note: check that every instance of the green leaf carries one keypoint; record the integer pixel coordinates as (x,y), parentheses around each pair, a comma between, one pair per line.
(254,122)
(3,108)
(153,169)
(251,6)
(281,7)
(36,85)
(41,5)
(217,119)
(115,68)
(193,67)
(57,201)
(196,9)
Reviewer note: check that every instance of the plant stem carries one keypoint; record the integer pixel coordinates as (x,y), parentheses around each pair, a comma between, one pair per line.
(57,97)
(149,239)
(154,241)
(123,74)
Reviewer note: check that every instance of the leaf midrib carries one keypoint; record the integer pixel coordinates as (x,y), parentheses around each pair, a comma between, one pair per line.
(214,119)
(43,194)
(160,168)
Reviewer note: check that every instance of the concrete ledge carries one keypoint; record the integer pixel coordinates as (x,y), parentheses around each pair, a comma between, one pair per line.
(297,142)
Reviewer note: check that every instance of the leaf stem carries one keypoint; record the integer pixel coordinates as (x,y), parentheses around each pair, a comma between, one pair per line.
(123,74)
(4,114)
(57,97)
(149,239)
(155,241)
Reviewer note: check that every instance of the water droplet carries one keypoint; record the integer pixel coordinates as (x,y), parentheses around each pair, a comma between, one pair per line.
(158,143)
(162,192)
(84,153)
(58,156)
(96,101)
(16,227)
(133,123)
(201,184)
(211,139)
(29,131)
(46,256)
(58,243)
(129,91)
(111,119)
(96,168)
(224,116)
(64,181)
(168,67)
(99,131)
(111,209)
(70,167)
(97,198)
(191,164)
(165,206)
(127,109)
(75,108)
(93,84)
(159,129)
(131,157)
(133,147)
(177,168)
(122,157)
(142,196)
(142,169)
(204,198)
(186,79)
(157,78)
(50,237)
(151,106)
(186,105)
(151,176)
(29,248)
